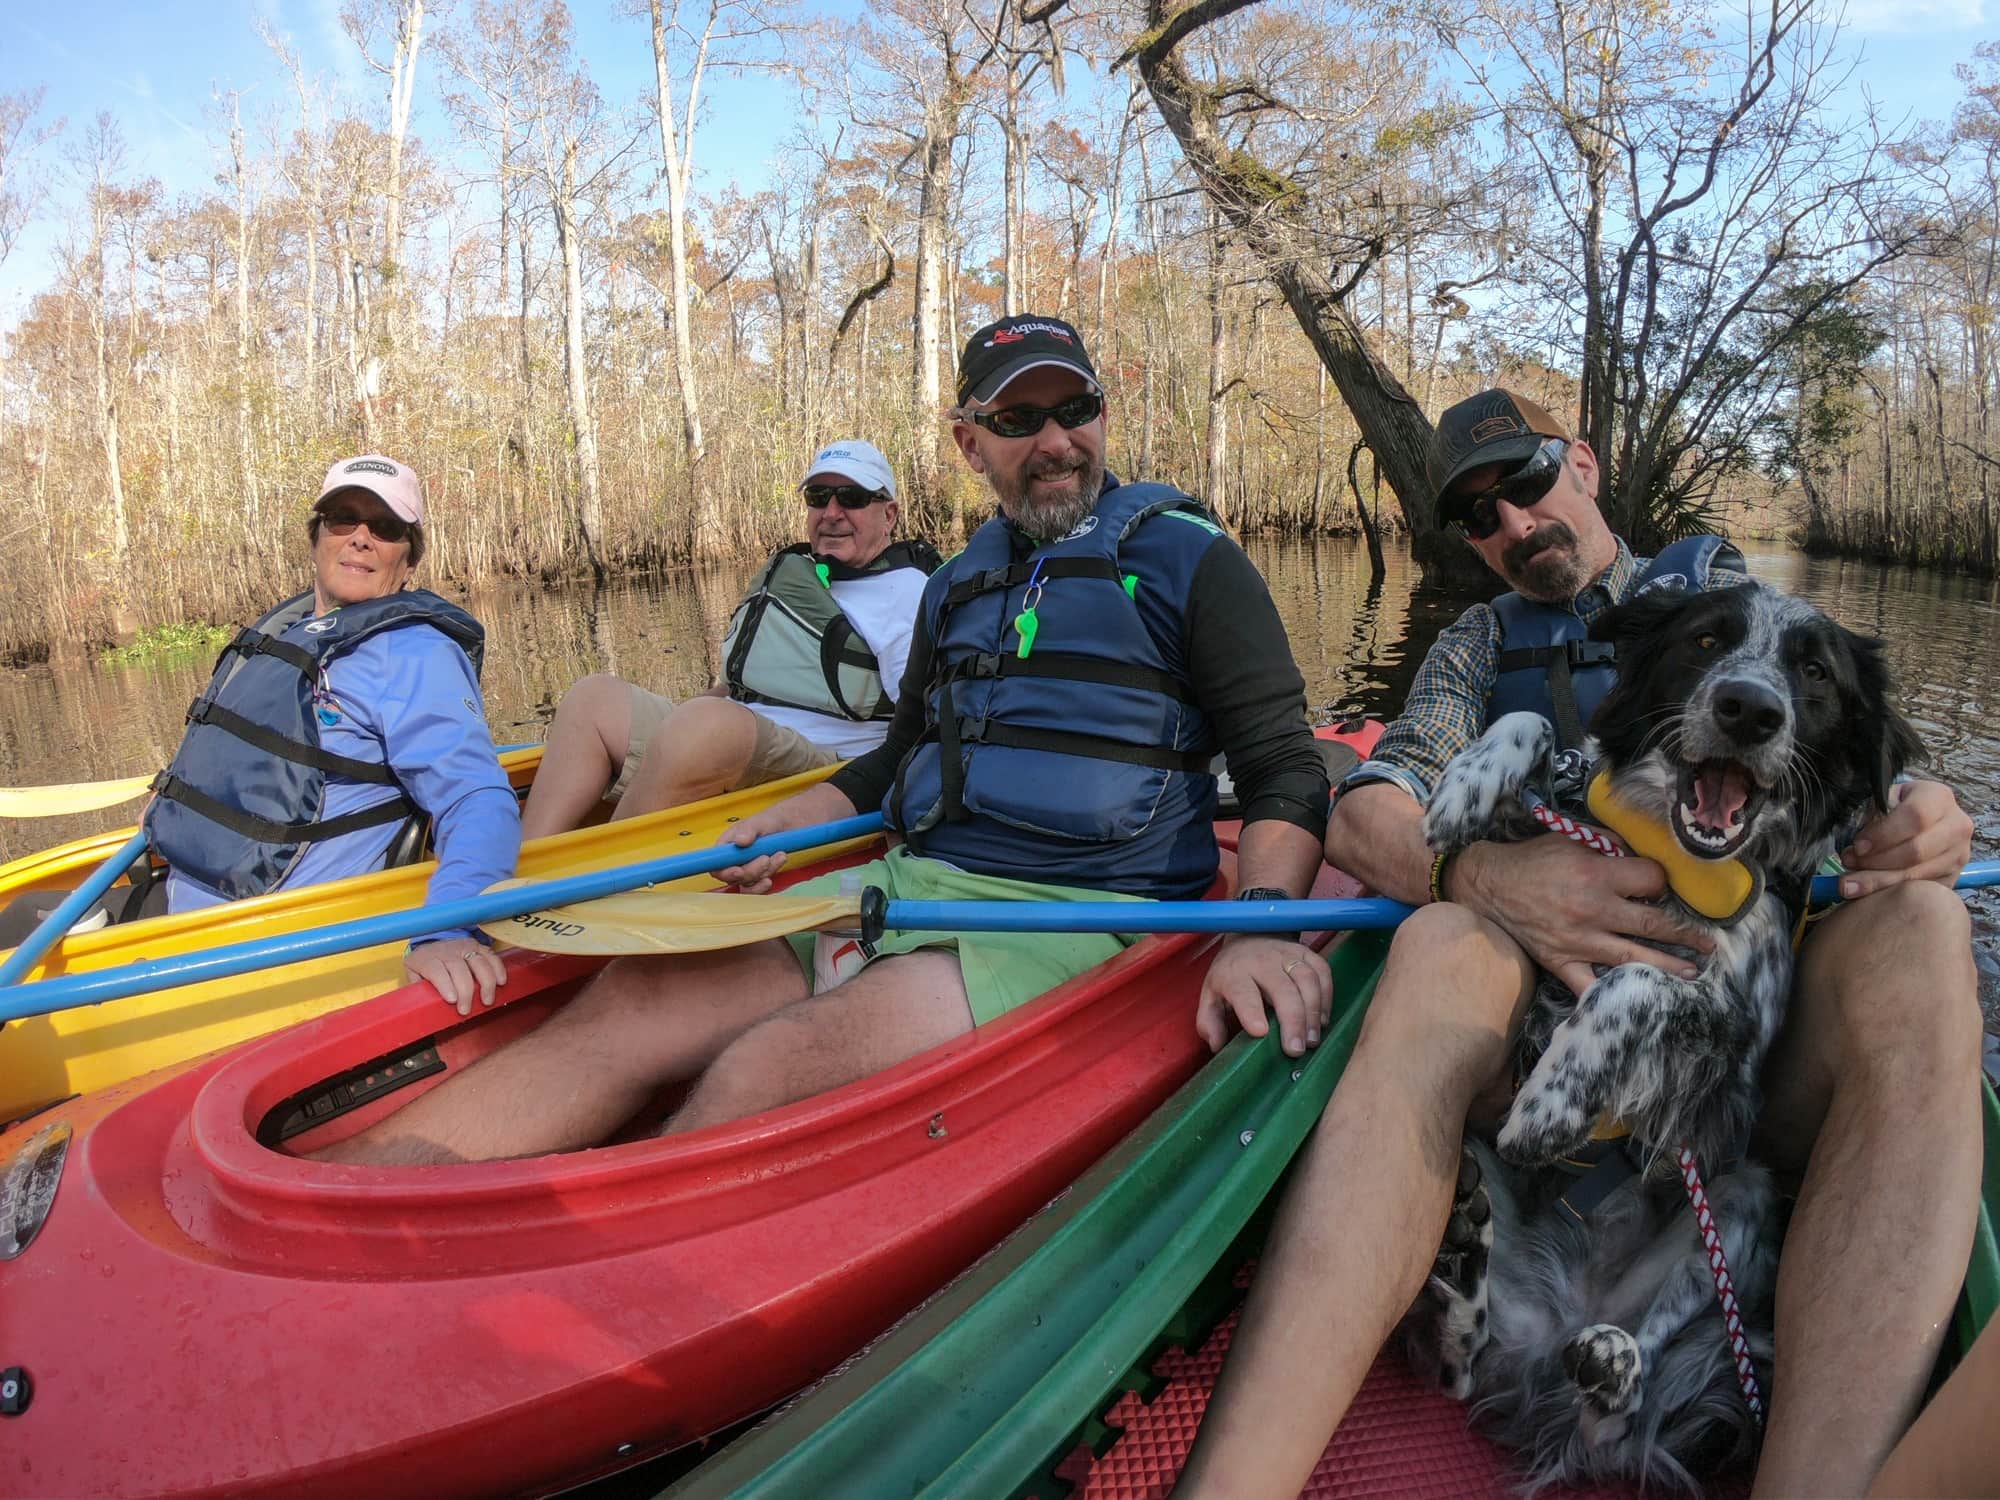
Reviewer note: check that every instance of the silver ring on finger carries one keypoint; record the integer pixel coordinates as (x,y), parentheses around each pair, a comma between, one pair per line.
(1293,965)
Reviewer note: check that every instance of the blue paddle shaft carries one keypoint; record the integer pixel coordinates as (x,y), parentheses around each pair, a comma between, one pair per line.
(1209,916)
(74,905)
(72,990)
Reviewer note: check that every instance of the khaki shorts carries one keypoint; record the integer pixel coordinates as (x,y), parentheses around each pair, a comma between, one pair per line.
(777,753)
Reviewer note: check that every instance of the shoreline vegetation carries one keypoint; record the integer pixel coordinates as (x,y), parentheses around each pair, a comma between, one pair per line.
(601,362)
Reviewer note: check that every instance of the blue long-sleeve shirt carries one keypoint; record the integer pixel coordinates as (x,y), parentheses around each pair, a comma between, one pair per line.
(407,698)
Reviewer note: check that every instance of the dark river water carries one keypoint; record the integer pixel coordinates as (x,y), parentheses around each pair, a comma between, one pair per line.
(1357,645)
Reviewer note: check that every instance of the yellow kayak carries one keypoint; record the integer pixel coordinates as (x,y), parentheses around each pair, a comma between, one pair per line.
(45,1058)
(67,865)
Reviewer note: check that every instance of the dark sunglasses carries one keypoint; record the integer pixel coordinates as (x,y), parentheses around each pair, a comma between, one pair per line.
(1026,421)
(390,529)
(846,496)
(1478,516)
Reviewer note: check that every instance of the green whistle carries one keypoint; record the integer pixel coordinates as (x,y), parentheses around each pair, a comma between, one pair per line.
(1027,624)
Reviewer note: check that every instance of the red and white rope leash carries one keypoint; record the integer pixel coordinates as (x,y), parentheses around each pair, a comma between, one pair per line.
(1711,1240)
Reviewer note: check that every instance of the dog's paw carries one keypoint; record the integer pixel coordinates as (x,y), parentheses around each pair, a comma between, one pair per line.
(1550,1118)
(1480,793)
(1458,1280)
(1603,1361)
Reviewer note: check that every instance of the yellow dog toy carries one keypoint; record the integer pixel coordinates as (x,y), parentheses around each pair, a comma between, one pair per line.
(1720,889)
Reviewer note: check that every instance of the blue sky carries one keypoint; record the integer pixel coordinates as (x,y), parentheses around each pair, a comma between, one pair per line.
(153,66)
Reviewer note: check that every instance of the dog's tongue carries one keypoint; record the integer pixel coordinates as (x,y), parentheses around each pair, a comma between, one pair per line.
(1720,790)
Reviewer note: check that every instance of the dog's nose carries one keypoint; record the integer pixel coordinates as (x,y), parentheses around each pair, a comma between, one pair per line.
(1749,711)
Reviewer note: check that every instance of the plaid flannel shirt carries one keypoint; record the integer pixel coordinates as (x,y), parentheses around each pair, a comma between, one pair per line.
(1446,709)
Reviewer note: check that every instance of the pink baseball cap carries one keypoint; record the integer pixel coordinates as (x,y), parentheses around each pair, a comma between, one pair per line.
(394,484)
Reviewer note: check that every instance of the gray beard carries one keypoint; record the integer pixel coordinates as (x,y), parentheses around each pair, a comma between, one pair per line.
(1053,515)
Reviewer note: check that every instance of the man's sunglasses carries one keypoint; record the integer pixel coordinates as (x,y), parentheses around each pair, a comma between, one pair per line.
(1026,421)
(391,529)
(846,496)
(1478,516)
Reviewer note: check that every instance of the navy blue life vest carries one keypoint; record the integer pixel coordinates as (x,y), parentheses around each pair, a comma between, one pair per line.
(1082,760)
(243,796)
(1547,663)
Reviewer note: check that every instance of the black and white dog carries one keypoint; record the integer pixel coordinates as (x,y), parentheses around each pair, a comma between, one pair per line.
(1756,729)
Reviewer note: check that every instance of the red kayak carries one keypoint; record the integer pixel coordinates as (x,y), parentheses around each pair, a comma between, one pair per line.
(204,1312)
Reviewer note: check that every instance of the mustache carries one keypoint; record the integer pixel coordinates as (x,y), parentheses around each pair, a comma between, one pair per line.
(1055,468)
(1531,546)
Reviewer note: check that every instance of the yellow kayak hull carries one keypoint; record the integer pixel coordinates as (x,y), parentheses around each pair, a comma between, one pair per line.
(67,866)
(45,1058)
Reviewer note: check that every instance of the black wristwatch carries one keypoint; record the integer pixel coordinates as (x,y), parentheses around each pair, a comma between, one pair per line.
(1268,893)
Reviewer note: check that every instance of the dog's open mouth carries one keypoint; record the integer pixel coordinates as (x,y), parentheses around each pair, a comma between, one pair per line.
(1718,802)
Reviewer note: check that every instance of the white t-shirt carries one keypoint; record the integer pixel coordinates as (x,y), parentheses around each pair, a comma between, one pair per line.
(882,607)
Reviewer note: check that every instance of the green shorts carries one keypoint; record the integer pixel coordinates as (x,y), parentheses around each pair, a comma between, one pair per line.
(1002,969)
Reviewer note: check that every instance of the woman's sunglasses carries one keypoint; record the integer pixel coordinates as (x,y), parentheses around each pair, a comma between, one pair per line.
(1026,421)
(391,529)
(846,496)
(1478,516)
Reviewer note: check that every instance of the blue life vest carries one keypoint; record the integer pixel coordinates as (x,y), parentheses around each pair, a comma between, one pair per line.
(243,796)
(1077,755)
(1547,663)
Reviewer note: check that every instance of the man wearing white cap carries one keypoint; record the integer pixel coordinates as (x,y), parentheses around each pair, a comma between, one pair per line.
(810,668)
(332,721)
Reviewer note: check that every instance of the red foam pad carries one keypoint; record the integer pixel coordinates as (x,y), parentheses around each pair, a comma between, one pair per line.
(1402,1440)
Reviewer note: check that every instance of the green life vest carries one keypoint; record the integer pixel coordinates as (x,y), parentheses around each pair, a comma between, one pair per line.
(790,646)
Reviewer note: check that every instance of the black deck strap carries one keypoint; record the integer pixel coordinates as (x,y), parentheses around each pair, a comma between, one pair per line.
(1062,742)
(271,742)
(1061,667)
(1008,577)
(264,831)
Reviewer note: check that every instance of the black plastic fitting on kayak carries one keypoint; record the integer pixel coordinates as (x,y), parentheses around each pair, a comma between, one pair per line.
(874,913)
(16,1391)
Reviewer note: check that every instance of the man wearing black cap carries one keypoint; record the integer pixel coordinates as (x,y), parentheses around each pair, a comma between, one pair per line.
(1870,1088)
(1072,675)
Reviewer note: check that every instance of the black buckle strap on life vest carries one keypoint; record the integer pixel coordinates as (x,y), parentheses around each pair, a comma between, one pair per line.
(1018,573)
(264,831)
(1559,662)
(251,641)
(1063,742)
(836,651)
(1066,668)
(206,711)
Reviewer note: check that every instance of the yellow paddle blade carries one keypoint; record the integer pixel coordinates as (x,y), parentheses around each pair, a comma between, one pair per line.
(69,797)
(670,921)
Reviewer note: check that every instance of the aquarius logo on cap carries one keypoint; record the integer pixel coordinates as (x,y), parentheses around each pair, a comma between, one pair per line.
(1020,331)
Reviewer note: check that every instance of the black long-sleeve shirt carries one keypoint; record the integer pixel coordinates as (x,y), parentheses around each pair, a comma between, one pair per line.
(1240,672)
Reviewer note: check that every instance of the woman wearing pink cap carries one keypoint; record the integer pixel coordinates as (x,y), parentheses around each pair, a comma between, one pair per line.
(811,666)
(333,721)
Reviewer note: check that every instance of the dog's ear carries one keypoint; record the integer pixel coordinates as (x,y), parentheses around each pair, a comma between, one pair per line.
(1639,617)
(1889,744)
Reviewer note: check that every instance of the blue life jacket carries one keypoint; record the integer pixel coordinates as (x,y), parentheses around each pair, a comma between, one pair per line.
(243,796)
(1074,755)
(1547,663)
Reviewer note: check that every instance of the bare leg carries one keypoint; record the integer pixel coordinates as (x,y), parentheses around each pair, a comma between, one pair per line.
(700,749)
(582,1073)
(1954,1448)
(1365,1213)
(586,747)
(893,1009)
(1877,1075)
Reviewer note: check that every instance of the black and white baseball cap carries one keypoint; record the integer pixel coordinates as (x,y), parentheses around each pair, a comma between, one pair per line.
(1000,351)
